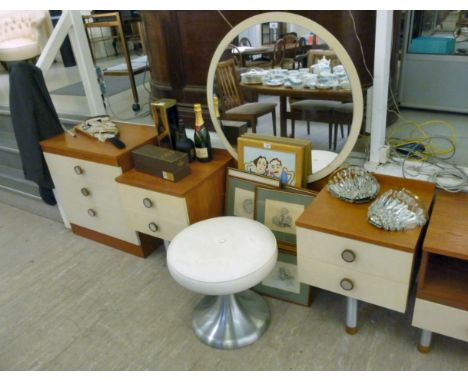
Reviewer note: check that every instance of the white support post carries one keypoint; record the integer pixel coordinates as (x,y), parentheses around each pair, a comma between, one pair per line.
(71,23)
(383,47)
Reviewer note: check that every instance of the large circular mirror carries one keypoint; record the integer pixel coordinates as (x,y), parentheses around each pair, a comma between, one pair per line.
(297,80)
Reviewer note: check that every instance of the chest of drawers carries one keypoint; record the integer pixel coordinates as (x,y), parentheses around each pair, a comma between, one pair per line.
(84,172)
(339,251)
(161,208)
(442,295)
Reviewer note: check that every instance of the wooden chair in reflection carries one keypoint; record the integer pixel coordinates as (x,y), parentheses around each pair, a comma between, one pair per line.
(342,116)
(334,113)
(244,41)
(291,47)
(233,106)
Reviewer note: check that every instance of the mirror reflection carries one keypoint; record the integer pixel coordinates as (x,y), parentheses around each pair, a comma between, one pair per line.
(282,79)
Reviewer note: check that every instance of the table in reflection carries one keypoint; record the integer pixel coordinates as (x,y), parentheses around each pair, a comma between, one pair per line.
(342,95)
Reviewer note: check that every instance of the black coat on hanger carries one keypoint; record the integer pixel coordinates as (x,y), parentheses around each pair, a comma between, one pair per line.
(34,119)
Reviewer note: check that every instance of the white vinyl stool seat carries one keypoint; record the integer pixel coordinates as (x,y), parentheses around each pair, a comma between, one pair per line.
(223,257)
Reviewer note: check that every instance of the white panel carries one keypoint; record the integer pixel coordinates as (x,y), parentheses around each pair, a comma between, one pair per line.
(441,319)
(371,259)
(372,289)
(164,206)
(435,82)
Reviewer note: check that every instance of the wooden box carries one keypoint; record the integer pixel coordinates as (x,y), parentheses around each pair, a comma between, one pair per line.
(167,164)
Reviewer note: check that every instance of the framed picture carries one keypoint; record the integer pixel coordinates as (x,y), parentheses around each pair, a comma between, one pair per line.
(283,282)
(240,192)
(273,159)
(278,209)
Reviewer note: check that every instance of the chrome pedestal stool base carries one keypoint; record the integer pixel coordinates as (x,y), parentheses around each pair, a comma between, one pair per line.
(231,321)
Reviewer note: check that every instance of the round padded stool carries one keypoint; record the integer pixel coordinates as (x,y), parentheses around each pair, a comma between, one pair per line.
(223,257)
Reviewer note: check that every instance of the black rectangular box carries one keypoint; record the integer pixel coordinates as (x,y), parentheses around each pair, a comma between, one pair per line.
(165,163)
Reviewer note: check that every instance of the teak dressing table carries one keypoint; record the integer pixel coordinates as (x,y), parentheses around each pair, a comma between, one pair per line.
(339,251)
(442,295)
(84,171)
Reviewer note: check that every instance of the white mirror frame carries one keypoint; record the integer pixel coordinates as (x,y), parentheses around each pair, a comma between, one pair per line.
(332,42)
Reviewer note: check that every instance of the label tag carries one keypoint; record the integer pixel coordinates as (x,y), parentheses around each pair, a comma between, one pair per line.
(267,145)
(201,152)
(168,175)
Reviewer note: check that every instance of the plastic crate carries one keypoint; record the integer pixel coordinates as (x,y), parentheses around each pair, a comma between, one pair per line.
(432,45)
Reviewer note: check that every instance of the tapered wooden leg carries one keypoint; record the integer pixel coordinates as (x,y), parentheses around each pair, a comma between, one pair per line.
(253,124)
(424,345)
(308,127)
(351,315)
(293,127)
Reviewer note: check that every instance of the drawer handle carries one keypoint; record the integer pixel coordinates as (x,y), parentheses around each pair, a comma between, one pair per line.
(153,227)
(346,284)
(147,203)
(348,255)
(85,191)
(78,170)
(92,212)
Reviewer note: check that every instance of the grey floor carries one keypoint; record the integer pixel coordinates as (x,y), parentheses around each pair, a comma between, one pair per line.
(67,303)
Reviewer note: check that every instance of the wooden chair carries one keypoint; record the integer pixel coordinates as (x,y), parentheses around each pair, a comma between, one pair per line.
(334,113)
(313,111)
(244,41)
(291,50)
(342,115)
(279,51)
(232,100)
(231,52)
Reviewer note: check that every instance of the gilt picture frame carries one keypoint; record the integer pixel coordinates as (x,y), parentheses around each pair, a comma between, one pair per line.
(278,209)
(272,159)
(283,282)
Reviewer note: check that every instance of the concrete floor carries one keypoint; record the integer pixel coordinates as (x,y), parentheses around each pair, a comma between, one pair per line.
(68,303)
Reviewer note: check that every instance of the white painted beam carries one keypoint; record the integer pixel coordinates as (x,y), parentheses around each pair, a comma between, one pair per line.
(71,23)
(383,47)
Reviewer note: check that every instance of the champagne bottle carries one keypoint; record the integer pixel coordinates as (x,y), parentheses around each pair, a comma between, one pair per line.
(201,137)
(183,143)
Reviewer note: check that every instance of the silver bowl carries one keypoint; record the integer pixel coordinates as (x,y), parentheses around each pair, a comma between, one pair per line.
(397,210)
(353,184)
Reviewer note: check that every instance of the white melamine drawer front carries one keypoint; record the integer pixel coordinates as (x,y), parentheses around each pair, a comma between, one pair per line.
(62,167)
(372,259)
(163,206)
(372,289)
(166,229)
(441,319)
(87,191)
(108,221)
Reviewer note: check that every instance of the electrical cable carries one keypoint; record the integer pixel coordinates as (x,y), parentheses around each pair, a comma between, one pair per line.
(446,176)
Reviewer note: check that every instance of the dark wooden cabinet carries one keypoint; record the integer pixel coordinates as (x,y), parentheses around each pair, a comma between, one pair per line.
(180,45)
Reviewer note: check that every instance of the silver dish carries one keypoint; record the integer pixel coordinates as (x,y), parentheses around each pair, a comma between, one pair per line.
(353,184)
(397,210)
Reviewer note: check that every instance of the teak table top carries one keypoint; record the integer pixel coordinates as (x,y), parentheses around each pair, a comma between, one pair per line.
(447,233)
(331,215)
(198,173)
(87,148)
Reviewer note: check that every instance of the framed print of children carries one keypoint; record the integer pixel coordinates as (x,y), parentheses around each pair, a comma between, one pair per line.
(278,171)
(258,166)
(270,162)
